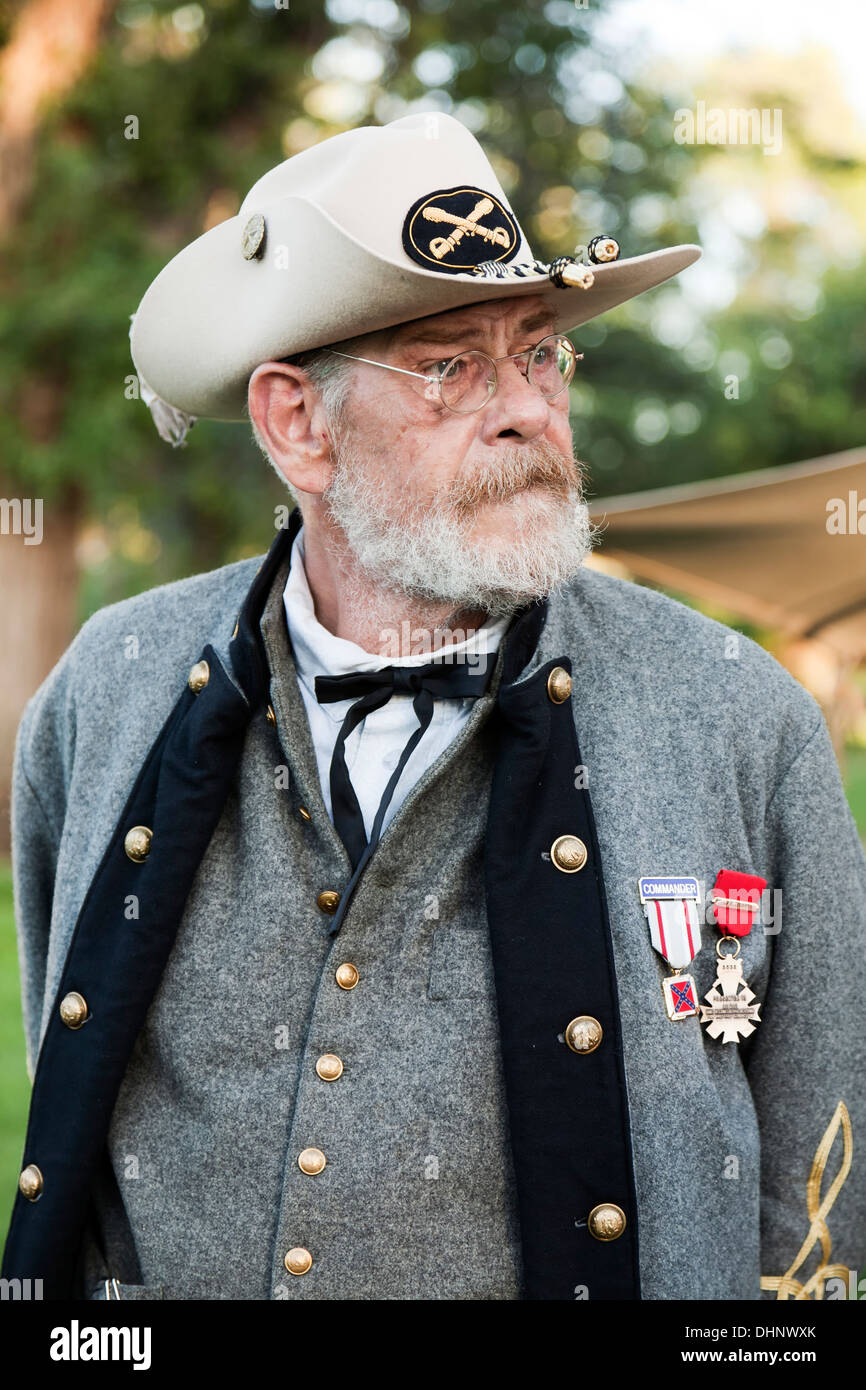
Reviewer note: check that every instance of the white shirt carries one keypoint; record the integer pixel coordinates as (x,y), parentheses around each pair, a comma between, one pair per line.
(373,749)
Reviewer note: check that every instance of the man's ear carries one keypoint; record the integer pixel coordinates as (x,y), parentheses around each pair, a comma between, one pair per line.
(287,412)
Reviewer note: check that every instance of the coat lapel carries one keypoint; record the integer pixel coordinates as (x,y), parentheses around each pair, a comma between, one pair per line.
(553,962)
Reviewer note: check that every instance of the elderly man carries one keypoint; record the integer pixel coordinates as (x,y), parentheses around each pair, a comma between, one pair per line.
(415,913)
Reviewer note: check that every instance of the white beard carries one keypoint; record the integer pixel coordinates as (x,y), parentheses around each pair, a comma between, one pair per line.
(425,550)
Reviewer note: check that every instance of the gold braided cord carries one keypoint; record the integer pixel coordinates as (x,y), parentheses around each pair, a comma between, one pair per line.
(786,1285)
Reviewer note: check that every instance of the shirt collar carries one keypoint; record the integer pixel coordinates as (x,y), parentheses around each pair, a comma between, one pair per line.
(319,652)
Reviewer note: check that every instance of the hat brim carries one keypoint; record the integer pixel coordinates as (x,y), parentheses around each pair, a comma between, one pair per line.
(211,317)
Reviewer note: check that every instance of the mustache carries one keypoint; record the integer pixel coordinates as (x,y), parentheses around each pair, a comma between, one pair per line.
(516,470)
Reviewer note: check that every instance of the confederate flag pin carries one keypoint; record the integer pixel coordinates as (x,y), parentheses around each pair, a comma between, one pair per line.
(732,1009)
(670,902)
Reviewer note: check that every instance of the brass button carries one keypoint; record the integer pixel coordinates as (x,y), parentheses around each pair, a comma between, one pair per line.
(73,1009)
(298,1260)
(347,975)
(606,1221)
(198,677)
(568,853)
(31,1182)
(304,813)
(271,717)
(329,1067)
(328,901)
(311,1161)
(137,843)
(559,684)
(584,1034)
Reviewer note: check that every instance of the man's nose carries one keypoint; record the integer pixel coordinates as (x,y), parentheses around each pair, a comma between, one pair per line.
(516,409)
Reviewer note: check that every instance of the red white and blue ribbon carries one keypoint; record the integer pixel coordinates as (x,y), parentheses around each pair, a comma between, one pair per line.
(670,902)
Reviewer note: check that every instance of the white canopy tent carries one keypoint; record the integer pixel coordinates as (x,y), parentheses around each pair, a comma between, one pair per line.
(768,545)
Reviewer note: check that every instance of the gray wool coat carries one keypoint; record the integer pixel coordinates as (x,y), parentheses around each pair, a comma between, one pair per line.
(701,753)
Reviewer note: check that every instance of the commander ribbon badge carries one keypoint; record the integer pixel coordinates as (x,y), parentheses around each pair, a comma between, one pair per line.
(671,906)
(670,902)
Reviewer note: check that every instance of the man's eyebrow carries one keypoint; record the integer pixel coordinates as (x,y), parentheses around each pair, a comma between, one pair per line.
(447,331)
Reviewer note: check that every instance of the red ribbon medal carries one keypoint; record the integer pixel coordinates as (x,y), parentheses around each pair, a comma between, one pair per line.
(736,900)
(731,1011)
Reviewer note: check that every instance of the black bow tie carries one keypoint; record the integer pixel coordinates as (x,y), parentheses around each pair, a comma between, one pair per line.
(439,680)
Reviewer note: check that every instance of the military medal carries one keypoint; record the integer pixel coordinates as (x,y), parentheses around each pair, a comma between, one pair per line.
(731,1011)
(670,902)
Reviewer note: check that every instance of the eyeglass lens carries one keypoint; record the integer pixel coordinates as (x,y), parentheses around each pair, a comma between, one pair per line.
(468,381)
(551,365)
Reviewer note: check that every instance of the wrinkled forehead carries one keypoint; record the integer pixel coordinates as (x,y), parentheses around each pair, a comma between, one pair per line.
(528,314)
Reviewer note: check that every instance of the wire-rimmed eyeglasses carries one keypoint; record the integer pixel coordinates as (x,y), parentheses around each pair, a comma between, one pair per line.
(467,382)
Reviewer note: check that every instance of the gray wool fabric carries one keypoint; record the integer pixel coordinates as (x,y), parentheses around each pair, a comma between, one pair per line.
(701,753)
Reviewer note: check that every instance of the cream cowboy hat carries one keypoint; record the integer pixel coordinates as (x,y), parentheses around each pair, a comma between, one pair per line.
(368,229)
